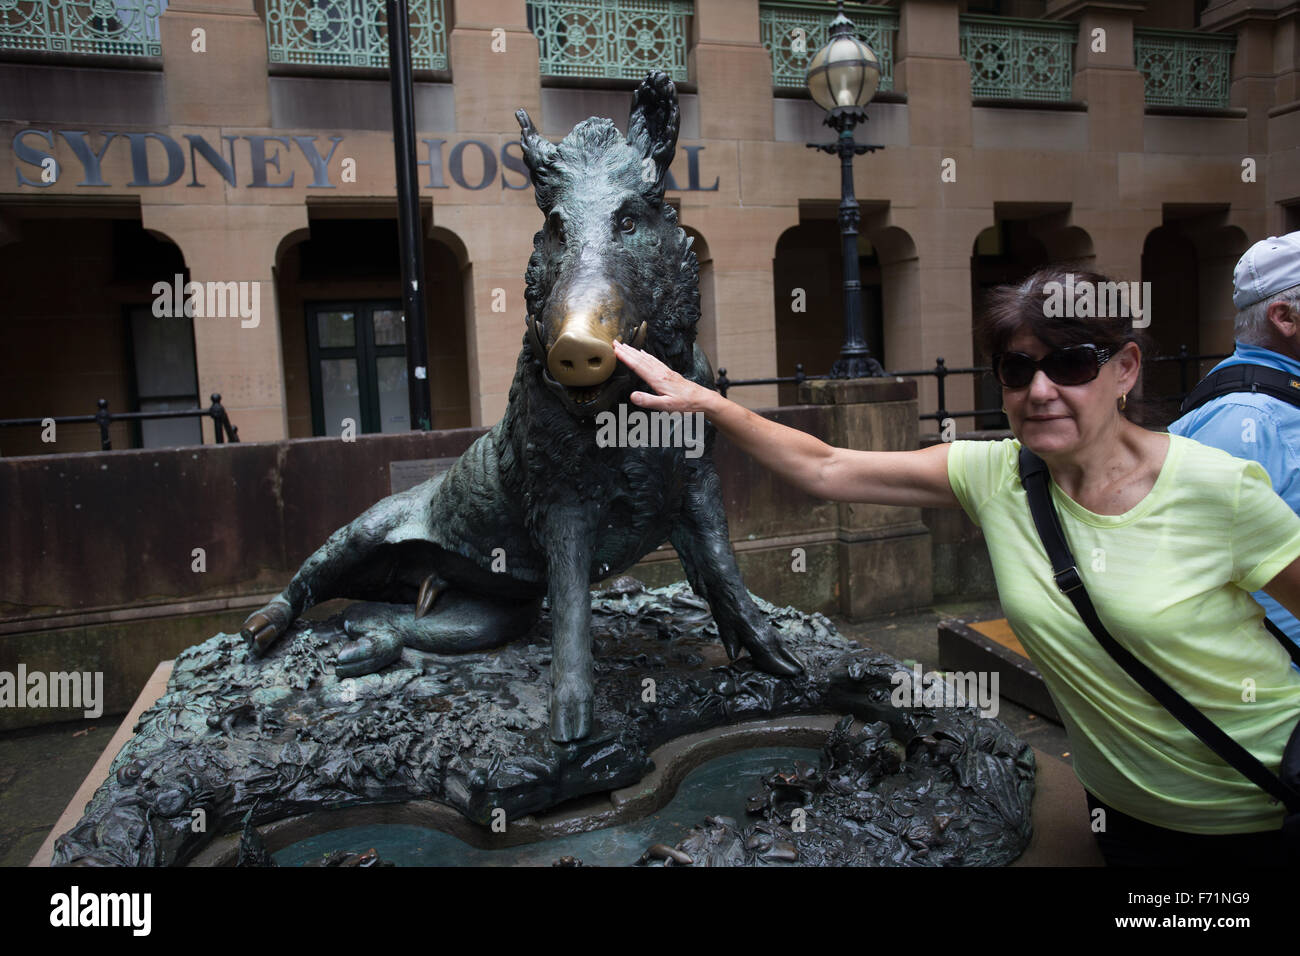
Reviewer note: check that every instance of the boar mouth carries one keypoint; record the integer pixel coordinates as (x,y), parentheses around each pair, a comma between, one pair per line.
(585,396)
(591,401)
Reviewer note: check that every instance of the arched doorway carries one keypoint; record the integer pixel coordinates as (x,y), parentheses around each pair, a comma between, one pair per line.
(1189,261)
(808,278)
(343,334)
(65,344)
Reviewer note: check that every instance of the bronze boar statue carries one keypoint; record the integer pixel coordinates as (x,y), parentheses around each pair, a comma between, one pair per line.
(538,506)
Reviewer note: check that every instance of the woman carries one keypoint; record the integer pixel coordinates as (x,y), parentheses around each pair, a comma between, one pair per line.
(1170,537)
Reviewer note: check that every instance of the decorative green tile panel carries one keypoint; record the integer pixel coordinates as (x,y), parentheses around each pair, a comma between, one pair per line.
(106,27)
(1182,68)
(793,32)
(1016,59)
(351,33)
(611,39)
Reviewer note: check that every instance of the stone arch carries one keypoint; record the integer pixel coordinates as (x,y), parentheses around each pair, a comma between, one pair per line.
(1188,260)
(706,335)
(808,288)
(900,286)
(347,257)
(66,345)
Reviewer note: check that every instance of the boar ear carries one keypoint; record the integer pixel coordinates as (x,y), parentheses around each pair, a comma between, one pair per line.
(539,155)
(652,127)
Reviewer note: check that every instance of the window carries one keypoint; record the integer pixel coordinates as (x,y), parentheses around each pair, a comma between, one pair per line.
(357,360)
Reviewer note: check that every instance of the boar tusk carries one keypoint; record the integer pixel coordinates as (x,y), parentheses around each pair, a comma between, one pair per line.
(539,352)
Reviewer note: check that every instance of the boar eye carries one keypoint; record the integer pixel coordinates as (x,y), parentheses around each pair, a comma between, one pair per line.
(627,224)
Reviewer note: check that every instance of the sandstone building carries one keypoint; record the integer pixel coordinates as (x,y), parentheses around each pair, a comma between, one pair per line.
(245,145)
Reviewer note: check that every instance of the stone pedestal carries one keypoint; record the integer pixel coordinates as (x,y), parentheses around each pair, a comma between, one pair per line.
(884,552)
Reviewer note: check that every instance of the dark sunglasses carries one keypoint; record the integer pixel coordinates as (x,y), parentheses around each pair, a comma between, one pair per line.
(1076,365)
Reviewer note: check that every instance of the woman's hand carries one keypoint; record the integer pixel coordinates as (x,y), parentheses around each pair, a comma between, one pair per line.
(675,393)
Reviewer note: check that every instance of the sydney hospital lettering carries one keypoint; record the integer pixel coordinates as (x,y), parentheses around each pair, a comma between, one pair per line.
(264,155)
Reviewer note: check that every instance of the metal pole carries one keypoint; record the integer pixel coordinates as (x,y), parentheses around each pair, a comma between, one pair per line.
(856,360)
(410,240)
(104,419)
(940,376)
(853,351)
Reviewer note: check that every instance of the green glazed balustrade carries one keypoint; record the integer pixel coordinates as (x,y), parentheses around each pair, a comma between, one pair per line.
(351,33)
(1009,58)
(106,27)
(1017,59)
(793,32)
(1184,69)
(613,39)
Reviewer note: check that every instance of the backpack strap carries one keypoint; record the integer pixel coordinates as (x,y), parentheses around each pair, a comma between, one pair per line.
(1034,477)
(1244,378)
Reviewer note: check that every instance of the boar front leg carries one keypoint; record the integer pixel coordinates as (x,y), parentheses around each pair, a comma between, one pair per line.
(704,546)
(570,532)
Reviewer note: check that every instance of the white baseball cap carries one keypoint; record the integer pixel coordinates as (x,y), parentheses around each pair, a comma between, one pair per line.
(1269,266)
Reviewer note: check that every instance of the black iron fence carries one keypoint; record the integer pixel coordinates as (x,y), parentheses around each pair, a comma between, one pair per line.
(225,431)
(1186,362)
(104,418)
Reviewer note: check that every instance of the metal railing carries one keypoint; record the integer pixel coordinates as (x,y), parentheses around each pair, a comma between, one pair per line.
(1015,59)
(103,27)
(1182,68)
(104,418)
(351,33)
(611,39)
(940,374)
(1185,359)
(793,30)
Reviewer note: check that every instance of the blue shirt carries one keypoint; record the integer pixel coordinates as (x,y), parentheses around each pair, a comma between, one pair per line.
(1259,427)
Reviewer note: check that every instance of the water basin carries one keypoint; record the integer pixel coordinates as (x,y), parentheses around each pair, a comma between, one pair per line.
(719,786)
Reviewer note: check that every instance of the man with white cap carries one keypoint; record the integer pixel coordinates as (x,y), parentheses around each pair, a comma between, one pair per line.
(1249,404)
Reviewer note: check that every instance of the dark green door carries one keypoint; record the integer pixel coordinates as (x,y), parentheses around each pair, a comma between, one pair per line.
(357,361)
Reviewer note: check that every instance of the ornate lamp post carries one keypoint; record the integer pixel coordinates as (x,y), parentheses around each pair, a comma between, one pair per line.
(843,77)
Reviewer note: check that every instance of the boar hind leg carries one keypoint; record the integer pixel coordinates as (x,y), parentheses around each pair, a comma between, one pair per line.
(353,562)
(458,622)
(701,539)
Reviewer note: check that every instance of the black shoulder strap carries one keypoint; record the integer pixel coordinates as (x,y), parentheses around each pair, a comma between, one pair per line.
(1244,378)
(1034,476)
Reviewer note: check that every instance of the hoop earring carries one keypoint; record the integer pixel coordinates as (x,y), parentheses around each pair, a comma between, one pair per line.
(1123,401)
(1004,409)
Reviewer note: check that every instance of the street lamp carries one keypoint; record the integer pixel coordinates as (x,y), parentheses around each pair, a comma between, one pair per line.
(842,78)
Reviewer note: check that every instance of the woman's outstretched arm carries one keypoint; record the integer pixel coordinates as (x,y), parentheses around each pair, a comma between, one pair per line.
(907,478)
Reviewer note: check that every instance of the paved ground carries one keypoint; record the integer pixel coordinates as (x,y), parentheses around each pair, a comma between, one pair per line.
(40,769)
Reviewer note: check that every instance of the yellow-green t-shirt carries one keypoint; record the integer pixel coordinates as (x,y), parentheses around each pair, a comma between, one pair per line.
(1171,580)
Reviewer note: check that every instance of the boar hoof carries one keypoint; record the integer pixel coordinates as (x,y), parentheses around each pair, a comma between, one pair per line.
(771,657)
(367,654)
(264,627)
(571,705)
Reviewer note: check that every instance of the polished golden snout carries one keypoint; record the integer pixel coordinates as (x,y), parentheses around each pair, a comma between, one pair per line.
(582,354)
